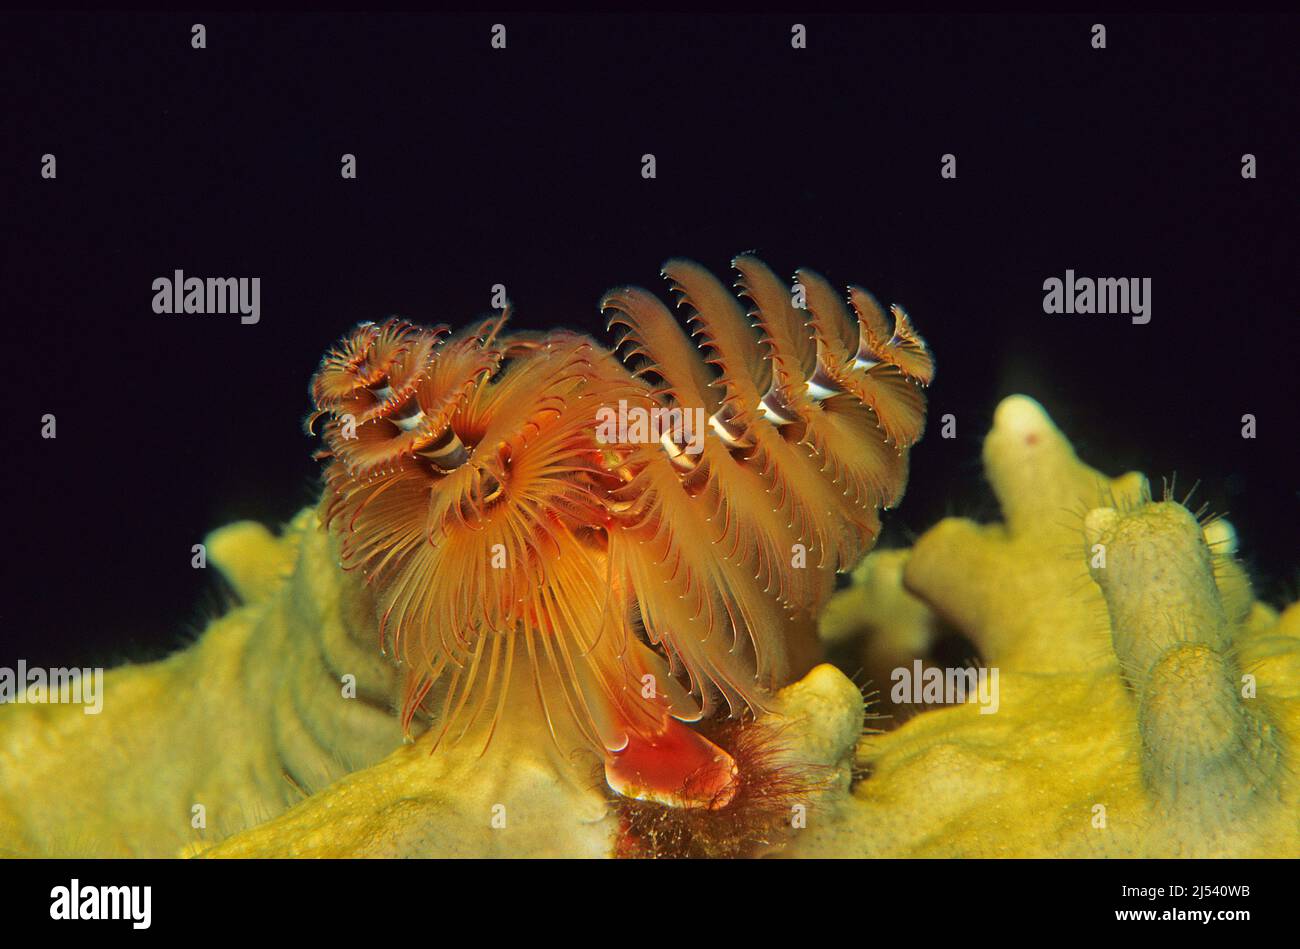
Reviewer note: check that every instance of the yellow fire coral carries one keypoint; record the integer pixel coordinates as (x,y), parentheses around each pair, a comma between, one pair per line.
(1146,701)
(1148,707)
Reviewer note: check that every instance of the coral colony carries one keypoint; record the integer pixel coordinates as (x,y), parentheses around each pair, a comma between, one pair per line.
(564,600)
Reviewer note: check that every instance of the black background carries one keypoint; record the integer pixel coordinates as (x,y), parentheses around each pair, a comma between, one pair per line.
(317,899)
(522,167)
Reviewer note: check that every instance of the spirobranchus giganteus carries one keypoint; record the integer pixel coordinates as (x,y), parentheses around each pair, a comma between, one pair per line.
(530,499)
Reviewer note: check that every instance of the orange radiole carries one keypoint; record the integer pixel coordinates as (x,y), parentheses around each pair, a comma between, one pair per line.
(646,576)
